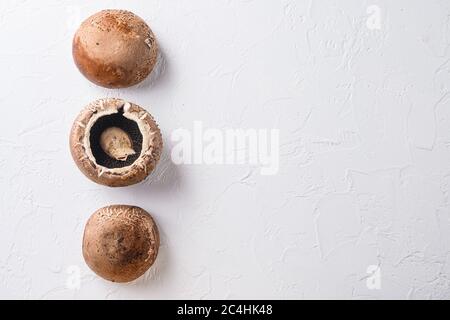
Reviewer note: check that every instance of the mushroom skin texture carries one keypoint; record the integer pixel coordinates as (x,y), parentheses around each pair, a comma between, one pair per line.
(115,49)
(120,242)
(140,162)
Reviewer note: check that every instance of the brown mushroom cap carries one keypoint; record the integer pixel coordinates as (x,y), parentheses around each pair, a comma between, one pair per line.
(115,143)
(120,242)
(115,49)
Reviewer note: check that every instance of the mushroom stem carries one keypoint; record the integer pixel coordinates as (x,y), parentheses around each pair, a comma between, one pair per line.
(117,144)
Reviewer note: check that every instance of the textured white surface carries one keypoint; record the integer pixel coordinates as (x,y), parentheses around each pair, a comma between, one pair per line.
(363,107)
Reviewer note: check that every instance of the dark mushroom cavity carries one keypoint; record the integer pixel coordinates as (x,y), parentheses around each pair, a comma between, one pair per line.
(116,141)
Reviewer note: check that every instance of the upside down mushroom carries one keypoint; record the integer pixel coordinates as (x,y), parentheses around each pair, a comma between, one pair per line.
(115,143)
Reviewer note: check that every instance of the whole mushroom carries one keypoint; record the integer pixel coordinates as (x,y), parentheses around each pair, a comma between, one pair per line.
(115,143)
(120,242)
(115,49)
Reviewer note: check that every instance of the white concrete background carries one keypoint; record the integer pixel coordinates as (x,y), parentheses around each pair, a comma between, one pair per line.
(364,176)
